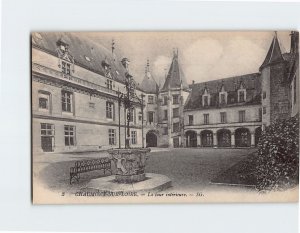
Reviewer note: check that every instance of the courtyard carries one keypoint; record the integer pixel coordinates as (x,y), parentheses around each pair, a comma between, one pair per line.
(188,168)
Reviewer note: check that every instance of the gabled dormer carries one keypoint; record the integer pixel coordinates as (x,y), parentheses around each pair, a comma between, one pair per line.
(222,95)
(242,93)
(206,97)
(65,59)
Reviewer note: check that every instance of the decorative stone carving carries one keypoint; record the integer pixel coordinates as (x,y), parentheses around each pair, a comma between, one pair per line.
(130,164)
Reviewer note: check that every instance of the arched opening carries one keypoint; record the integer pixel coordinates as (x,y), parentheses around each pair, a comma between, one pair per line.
(224,138)
(191,138)
(242,137)
(151,139)
(207,138)
(257,135)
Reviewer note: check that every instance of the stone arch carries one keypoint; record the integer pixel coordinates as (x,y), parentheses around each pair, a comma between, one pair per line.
(242,137)
(151,138)
(207,138)
(191,138)
(224,138)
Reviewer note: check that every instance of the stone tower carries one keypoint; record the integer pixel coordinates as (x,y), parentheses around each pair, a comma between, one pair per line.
(172,97)
(275,90)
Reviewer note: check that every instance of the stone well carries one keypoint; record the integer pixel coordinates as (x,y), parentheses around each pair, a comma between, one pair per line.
(130,164)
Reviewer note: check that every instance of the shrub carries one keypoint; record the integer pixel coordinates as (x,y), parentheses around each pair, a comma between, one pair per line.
(278,156)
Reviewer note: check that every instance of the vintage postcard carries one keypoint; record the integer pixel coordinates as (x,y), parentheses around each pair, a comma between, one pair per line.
(165,117)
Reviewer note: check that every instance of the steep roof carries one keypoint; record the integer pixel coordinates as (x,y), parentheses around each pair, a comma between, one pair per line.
(175,76)
(274,54)
(86,53)
(251,82)
(148,84)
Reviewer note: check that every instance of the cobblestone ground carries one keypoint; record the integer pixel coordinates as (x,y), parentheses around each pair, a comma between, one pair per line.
(188,168)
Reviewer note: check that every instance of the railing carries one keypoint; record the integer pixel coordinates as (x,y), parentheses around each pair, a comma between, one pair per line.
(57,74)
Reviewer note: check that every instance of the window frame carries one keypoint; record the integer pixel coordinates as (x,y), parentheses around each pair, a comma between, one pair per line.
(242,116)
(150,99)
(66,67)
(175,112)
(191,119)
(110,110)
(206,118)
(67,101)
(112,140)
(223,117)
(133,137)
(70,135)
(175,99)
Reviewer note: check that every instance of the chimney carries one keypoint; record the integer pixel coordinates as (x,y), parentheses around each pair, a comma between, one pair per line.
(125,62)
(294,42)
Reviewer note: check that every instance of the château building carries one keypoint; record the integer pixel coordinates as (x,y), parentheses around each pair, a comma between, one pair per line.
(76,83)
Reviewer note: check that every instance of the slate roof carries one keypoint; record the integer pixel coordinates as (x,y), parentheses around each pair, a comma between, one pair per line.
(148,84)
(274,54)
(251,82)
(86,53)
(175,76)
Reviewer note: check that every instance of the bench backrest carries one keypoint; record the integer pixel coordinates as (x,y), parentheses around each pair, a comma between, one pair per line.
(91,165)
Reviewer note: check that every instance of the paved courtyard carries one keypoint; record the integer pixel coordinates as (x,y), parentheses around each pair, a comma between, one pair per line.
(188,168)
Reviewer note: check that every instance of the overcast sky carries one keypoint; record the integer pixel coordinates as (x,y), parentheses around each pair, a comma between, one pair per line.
(203,55)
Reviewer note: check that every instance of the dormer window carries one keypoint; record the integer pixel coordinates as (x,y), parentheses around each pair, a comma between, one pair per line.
(109,84)
(222,99)
(66,60)
(66,67)
(205,102)
(241,93)
(205,98)
(223,96)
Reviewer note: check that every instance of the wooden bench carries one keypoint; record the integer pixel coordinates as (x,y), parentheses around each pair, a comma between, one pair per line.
(84,166)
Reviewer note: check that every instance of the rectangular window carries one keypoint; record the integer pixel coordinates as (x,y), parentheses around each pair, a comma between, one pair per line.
(264,95)
(206,119)
(109,110)
(165,114)
(132,115)
(109,84)
(47,129)
(205,101)
(175,99)
(66,67)
(111,136)
(222,99)
(150,117)
(133,138)
(150,99)
(176,127)
(165,100)
(242,116)
(223,117)
(241,96)
(66,101)
(44,100)
(175,112)
(191,119)
(69,135)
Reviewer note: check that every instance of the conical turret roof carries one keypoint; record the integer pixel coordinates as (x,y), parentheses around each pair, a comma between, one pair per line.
(274,54)
(148,84)
(175,77)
